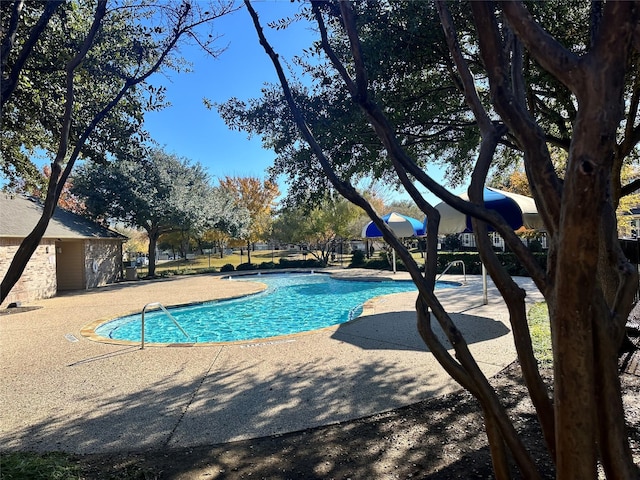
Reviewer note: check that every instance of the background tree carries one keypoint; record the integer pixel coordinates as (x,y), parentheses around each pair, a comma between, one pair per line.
(232,220)
(217,239)
(405,207)
(92,107)
(160,194)
(321,228)
(582,419)
(628,174)
(180,242)
(259,199)
(137,241)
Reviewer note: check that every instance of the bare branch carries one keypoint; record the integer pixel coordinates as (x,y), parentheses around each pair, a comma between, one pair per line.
(470,92)
(630,188)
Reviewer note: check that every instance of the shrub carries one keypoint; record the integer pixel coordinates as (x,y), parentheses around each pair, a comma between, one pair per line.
(266,265)
(535,246)
(247,266)
(473,265)
(451,243)
(227,268)
(379,263)
(311,263)
(357,258)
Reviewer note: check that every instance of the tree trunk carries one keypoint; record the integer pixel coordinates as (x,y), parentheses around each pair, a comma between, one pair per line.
(153,235)
(25,250)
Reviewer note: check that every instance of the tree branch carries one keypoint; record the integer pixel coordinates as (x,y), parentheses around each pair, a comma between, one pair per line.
(547,51)
(10,81)
(630,188)
(530,136)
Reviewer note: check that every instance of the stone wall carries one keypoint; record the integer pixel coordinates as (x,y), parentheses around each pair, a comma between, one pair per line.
(39,277)
(103,262)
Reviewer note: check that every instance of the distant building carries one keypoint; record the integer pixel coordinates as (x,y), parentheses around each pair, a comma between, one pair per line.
(74,253)
(634,223)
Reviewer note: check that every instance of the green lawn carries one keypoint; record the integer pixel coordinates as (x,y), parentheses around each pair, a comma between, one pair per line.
(33,466)
(538,319)
(205,263)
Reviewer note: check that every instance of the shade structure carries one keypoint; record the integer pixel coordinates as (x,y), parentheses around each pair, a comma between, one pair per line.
(518,210)
(401,225)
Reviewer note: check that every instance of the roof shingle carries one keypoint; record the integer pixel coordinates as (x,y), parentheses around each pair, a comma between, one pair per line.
(18,216)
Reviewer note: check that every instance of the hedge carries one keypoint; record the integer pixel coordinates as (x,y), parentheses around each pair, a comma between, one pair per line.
(473,265)
(247,266)
(311,263)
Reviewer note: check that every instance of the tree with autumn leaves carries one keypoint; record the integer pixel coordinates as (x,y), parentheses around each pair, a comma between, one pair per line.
(259,198)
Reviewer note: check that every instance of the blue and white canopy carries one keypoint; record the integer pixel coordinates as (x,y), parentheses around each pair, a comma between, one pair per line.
(518,210)
(401,225)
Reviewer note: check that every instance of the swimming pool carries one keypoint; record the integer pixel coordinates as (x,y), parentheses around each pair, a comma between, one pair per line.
(292,303)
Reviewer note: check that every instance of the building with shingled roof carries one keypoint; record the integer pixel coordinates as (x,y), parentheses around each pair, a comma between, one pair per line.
(74,253)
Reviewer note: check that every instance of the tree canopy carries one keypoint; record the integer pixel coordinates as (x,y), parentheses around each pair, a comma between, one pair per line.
(160,194)
(413,77)
(319,228)
(76,77)
(258,197)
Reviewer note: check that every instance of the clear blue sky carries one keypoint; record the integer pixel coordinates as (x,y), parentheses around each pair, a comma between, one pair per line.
(189,129)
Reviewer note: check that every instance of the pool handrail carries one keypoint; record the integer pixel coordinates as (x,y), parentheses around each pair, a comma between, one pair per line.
(158,304)
(451,264)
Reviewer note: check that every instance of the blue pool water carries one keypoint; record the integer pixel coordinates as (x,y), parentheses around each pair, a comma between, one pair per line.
(292,303)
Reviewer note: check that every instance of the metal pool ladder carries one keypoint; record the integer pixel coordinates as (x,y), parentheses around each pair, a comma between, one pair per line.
(158,304)
(451,264)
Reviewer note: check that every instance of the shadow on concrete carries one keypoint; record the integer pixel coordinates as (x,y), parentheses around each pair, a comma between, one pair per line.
(398,331)
(224,404)
(417,441)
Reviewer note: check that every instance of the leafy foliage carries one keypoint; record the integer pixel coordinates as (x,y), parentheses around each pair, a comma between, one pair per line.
(258,198)
(357,259)
(114,49)
(319,227)
(31,117)
(160,194)
(410,73)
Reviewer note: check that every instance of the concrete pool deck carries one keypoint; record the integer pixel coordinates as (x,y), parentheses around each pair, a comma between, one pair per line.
(63,391)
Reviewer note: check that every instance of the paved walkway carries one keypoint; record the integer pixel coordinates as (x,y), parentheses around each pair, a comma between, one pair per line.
(63,391)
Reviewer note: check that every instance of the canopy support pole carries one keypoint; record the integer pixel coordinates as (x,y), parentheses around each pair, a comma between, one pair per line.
(485,300)
(394,259)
